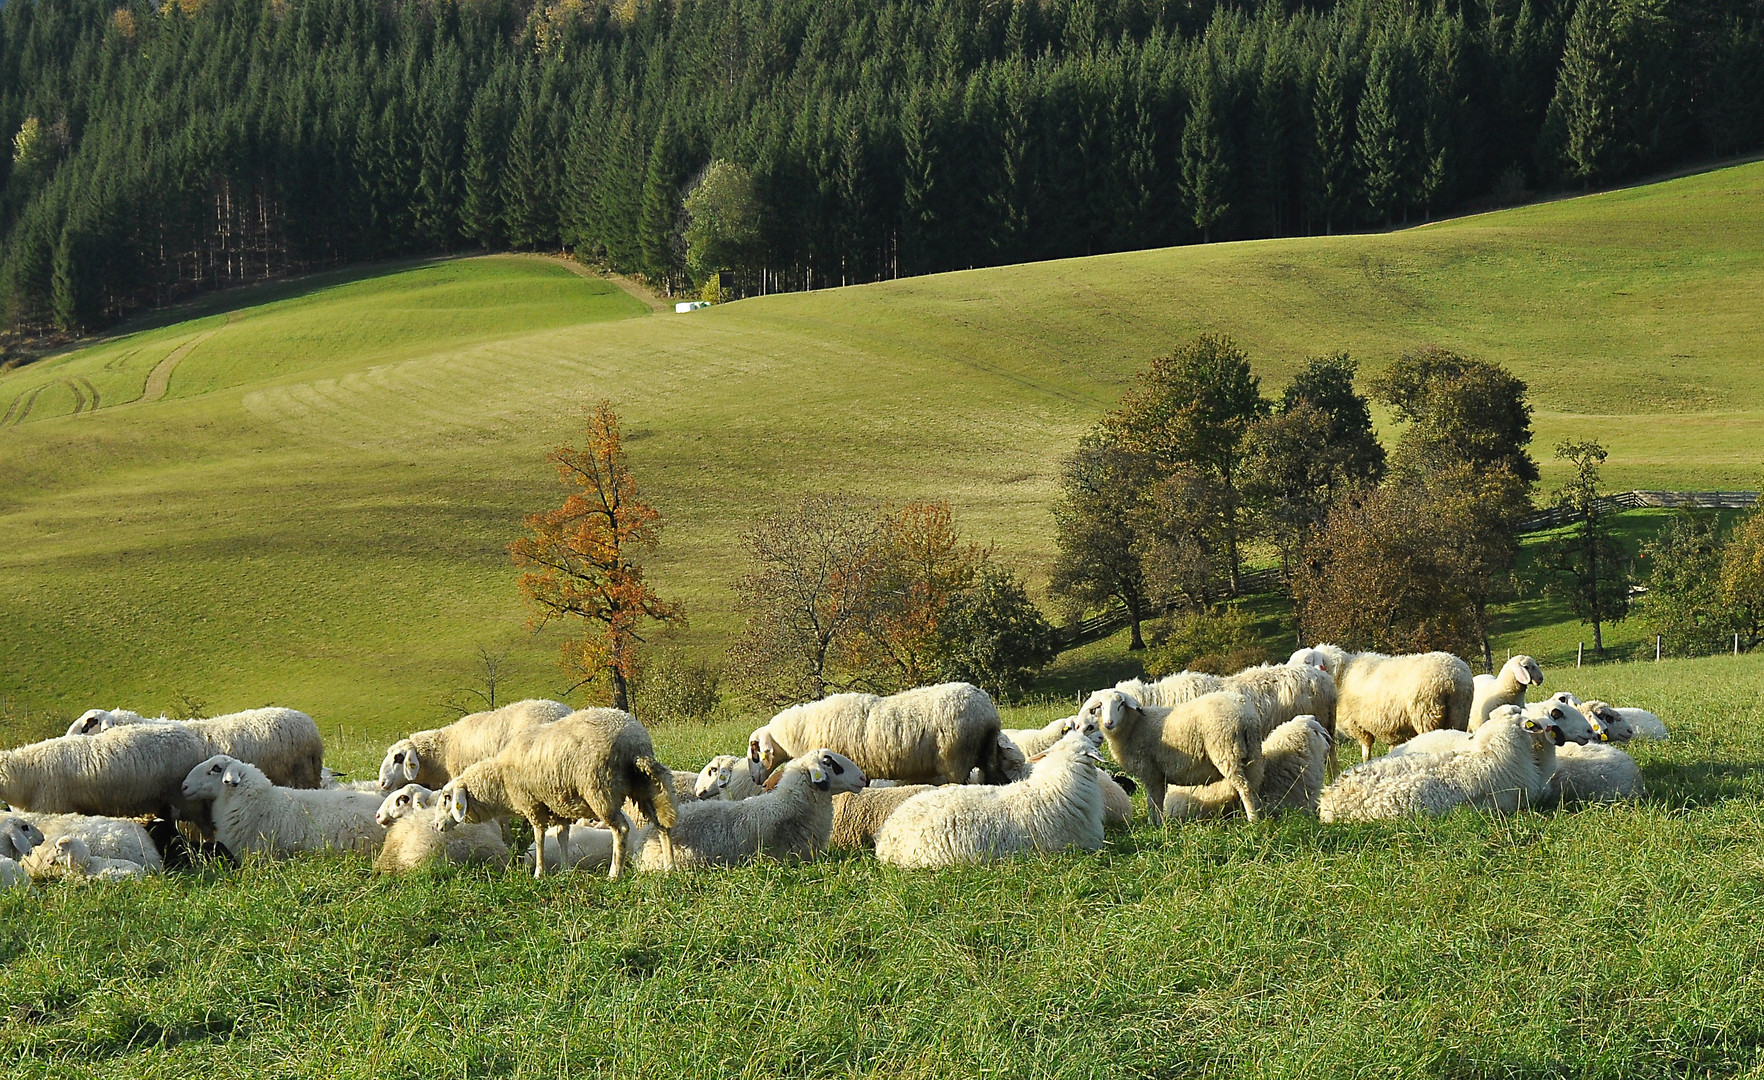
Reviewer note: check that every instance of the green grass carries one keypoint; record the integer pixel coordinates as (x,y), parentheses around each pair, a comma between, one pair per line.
(317,511)
(1616,942)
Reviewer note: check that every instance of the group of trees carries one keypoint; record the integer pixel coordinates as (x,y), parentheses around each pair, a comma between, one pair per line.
(157,149)
(1706,587)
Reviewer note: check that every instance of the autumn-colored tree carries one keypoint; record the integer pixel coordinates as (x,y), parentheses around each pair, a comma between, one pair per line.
(922,564)
(583,559)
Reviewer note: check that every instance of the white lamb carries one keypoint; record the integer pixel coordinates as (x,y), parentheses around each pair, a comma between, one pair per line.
(1594,773)
(1393,698)
(729,778)
(1032,741)
(253,815)
(791,821)
(1295,760)
(69,858)
(1059,806)
(105,837)
(1194,745)
(932,734)
(129,771)
(1506,687)
(1506,767)
(433,757)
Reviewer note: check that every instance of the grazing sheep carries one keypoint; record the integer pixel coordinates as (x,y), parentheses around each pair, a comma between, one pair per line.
(1621,725)
(1574,726)
(932,734)
(857,815)
(584,765)
(253,815)
(1295,758)
(1507,687)
(1217,736)
(1393,698)
(105,837)
(1507,766)
(793,820)
(1059,805)
(128,771)
(1594,773)
(284,743)
(69,858)
(18,836)
(12,875)
(433,757)
(408,816)
(729,778)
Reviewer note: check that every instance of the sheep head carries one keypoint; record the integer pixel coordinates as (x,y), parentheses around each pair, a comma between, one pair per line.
(18,837)
(1607,723)
(71,853)
(1317,657)
(91,722)
(209,779)
(1526,671)
(458,806)
(833,772)
(1109,711)
(400,765)
(1570,723)
(407,800)
(764,750)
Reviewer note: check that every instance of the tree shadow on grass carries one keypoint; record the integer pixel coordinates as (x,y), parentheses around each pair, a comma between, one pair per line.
(1701,784)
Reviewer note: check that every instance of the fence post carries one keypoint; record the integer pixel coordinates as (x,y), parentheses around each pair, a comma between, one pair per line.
(1736,644)
(1580,654)
(1656,648)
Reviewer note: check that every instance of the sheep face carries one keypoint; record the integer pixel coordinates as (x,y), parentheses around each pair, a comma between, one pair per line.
(715,778)
(407,800)
(457,808)
(71,854)
(1608,724)
(209,779)
(400,765)
(764,752)
(1570,724)
(1541,728)
(18,837)
(834,772)
(1109,711)
(1316,658)
(1526,671)
(1563,697)
(91,722)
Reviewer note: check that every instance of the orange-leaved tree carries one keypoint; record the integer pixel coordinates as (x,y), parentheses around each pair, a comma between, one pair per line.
(583,559)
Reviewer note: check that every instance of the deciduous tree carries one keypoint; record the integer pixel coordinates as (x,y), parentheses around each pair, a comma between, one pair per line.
(1584,566)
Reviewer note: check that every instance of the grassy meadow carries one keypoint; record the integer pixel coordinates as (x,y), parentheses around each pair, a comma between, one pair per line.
(1604,942)
(303,492)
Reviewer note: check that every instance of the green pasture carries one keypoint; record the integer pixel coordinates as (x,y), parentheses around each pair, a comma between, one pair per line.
(1603,942)
(313,505)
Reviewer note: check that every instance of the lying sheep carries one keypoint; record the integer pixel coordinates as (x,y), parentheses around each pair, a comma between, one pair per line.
(1507,687)
(18,836)
(1506,766)
(12,875)
(857,815)
(1594,773)
(932,734)
(1032,741)
(1573,725)
(408,816)
(729,778)
(128,771)
(1117,790)
(575,847)
(1621,725)
(1393,698)
(793,820)
(69,858)
(284,743)
(1058,806)
(433,757)
(253,815)
(104,837)
(1217,736)
(1295,759)
(584,765)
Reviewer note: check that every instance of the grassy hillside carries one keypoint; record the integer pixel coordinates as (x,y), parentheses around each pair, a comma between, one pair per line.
(1616,942)
(310,502)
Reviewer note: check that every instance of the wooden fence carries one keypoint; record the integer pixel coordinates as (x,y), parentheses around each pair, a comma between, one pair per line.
(1257,582)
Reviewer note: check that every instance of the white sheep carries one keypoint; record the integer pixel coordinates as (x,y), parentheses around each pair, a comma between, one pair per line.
(857,815)
(127,771)
(1573,726)
(105,837)
(1033,741)
(1393,698)
(1295,760)
(931,734)
(1117,792)
(584,765)
(331,779)
(1506,766)
(69,858)
(251,814)
(433,757)
(408,816)
(93,721)
(1594,773)
(729,778)
(12,875)
(1278,692)
(18,836)
(1058,806)
(793,820)
(284,743)
(1195,744)
(1506,687)
(1621,725)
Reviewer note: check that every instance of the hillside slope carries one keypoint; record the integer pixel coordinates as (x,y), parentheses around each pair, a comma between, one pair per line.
(314,506)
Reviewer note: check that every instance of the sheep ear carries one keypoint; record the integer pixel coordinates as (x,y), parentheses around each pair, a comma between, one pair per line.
(819,776)
(771,783)
(456,806)
(1133,703)
(411,766)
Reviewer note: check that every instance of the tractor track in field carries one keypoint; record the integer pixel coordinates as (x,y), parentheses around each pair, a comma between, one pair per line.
(159,379)
(20,408)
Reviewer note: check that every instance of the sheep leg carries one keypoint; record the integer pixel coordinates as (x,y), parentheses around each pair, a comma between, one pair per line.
(1154,797)
(620,825)
(538,847)
(1200,801)
(1365,749)
(1252,802)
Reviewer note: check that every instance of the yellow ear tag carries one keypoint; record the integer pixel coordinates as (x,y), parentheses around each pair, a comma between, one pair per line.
(817,774)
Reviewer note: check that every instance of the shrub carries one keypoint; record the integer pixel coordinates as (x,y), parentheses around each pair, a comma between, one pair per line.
(671,687)
(1221,641)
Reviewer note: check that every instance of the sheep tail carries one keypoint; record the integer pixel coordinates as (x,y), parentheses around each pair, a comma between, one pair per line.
(661,783)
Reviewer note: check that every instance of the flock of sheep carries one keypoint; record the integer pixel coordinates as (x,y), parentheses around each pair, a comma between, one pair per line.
(926,778)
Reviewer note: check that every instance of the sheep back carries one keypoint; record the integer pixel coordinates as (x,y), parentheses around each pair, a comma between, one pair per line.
(930,734)
(128,771)
(283,743)
(1393,698)
(858,814)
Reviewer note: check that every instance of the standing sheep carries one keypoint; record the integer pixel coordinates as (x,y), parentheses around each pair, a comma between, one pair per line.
(1393,698)
(1058,806)
(284,743)
(584,765)
(1507,766)
(1278,692)
(1215,737)
(1506,687)
(408,816)
(791,821)
(253,815)
(433,757)
(1295,759)
(127,771)
(932,734)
